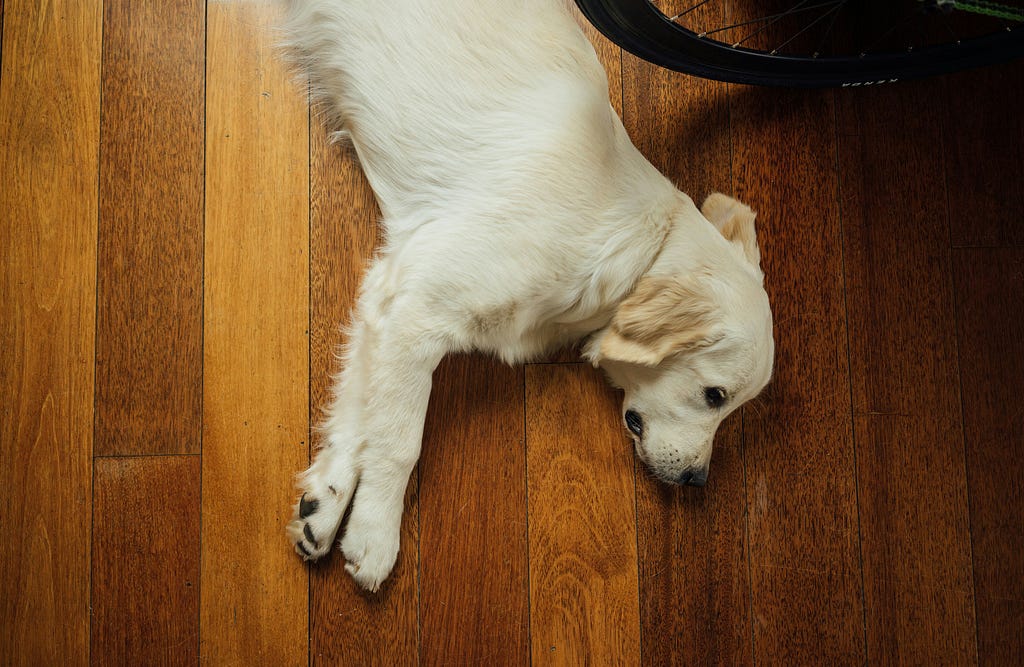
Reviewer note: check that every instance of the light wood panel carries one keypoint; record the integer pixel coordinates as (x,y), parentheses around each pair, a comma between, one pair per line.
(474,589)
(990,316)
(149,346)
(254,607)
(801,494)
(912,487)
(145,561)
(49,153)
(349,626)
(582,530)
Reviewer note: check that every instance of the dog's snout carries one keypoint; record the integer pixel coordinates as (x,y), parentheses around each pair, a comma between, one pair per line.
(693,477)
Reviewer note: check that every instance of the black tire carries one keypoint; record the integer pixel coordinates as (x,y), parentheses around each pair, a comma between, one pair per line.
(638,27)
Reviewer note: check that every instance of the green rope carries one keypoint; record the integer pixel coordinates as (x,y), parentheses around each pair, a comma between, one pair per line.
(990,9)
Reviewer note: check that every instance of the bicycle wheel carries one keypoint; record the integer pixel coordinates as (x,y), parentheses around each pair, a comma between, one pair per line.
(813,43)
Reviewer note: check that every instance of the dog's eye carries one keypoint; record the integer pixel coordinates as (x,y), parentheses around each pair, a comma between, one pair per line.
(714,396)
(634,423)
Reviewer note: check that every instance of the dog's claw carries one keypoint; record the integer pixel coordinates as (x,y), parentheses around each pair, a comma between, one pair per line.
(307,507)
(308,532)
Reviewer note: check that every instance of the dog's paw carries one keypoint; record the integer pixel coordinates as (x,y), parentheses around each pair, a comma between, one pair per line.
(315,524)
(371,549)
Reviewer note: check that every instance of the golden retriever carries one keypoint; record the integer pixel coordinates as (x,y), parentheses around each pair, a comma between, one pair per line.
(519,217)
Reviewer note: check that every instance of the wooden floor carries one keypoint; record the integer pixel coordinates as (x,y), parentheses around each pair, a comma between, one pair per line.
(180,245)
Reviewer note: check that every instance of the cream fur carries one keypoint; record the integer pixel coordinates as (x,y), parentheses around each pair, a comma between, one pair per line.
(518,217)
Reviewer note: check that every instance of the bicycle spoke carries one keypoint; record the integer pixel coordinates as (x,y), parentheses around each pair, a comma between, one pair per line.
(685,12)
(771,18)
(949,28)
(864,51)
(833,12)
(828,31)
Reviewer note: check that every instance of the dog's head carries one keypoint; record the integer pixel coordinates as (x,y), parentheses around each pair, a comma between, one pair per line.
(689,349)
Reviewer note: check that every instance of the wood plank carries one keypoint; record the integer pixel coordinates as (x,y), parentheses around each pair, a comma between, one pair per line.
(984,153)
(694,588)
(474,589)
(798,449)
(349,626)
(681,124)
(582,517)
(990,315)
(49,157)
(912,485)
(149,319)
(145,561)
(254,607)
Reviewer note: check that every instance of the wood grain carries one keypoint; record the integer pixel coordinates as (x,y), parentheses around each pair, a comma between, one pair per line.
(348,626)
(582,508)
(990,316)
(983,140)
(49,155)
(474,589)
(694,588)
(798,449)
(145,560)
(680,124)
(149,345)
(254,608)
(912,485)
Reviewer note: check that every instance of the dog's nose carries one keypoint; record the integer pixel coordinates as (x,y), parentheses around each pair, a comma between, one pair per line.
(694,477)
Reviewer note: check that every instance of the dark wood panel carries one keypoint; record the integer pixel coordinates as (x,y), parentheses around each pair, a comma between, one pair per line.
(149,317)
(348,625)
(255,603)
(49,153)
(694,589)
(473,546)
(990,316)
(984,154)
(582,514)
(145,561)
(681,124)
(912,485)
(798,448)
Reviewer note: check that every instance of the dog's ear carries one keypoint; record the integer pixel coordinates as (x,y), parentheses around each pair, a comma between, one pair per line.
(736,222)
(661,317)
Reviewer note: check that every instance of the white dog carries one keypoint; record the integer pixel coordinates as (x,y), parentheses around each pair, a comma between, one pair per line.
(519,217)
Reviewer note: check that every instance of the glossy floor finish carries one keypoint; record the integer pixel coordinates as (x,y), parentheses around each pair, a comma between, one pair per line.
(180,245)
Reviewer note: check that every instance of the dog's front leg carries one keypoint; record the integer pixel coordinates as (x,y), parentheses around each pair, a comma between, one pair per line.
(398,392)
(328,484)
(372,434)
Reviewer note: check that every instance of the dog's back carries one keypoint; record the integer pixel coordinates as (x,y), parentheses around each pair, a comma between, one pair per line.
(435,93)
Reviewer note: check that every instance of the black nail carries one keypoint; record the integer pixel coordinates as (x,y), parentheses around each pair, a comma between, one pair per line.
(302,548)
(308,532)
(307,507)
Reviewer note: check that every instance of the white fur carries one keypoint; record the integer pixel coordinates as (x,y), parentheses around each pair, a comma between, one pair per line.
(518,216)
